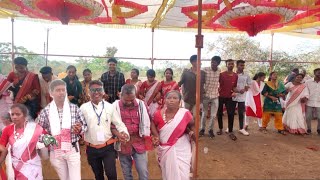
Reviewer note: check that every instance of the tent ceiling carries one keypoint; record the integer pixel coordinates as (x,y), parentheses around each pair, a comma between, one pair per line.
(252,16)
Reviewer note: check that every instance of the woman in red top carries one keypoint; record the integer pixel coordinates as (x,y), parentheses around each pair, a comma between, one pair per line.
(7,170)
(150,92)
(23,136)
(167,85)
(26,86)
(134,79)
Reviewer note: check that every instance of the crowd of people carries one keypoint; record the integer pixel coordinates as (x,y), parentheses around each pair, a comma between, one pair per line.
(118,118)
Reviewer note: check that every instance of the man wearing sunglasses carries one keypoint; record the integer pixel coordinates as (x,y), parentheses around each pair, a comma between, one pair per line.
(98,139)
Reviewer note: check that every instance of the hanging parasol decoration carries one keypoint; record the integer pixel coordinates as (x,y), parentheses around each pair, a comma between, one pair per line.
(298,3)
(64,10)
(251,16)
(6,14)
(10,5)
(256,19)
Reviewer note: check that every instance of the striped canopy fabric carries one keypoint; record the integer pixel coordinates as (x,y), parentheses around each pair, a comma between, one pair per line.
(250,16)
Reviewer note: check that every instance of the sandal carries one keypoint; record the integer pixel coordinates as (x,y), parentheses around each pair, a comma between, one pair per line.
(232,136)
(263,129)
(282,132)
(308,132)
(219,132)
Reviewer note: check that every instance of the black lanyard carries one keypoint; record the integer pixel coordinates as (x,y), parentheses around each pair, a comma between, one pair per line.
(98,115)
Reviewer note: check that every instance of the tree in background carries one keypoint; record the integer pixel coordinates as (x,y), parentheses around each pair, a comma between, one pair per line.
(35,62)
(235,47)
(58,66)
(241,47)
(5,60)
(177,70)
(99,65)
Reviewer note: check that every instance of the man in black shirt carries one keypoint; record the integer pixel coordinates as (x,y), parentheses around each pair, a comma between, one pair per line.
(112,80)
(188,81)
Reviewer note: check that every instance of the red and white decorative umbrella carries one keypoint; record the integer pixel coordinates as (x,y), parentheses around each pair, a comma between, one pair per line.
(256,19)
(63,10)
(10,5)
(251,16)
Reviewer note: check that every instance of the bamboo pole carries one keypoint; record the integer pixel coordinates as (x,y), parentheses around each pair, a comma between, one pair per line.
(271,53)
(47,47)
(199,46)
(152,46)
(12,42)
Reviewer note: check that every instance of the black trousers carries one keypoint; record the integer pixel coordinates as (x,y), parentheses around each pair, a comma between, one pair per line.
(241,111)
(102,160)
(230,111)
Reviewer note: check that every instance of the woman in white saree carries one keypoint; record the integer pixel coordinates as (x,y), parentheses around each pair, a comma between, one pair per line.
(175,126)
(23,137)
(294,117)
(253,99)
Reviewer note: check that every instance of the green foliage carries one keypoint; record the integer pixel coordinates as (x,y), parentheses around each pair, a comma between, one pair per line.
(235,47)
(58,66)
(241,47)
(238,47)
(99,65)
(177,70)
(35,61)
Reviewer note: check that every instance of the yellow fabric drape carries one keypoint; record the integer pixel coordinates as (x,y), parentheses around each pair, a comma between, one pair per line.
(163,10)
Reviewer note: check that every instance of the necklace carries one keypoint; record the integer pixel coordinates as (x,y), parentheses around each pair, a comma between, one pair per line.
(17,135)
(164,117)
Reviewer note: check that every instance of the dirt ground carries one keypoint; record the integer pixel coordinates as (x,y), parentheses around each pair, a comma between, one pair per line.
(258,156)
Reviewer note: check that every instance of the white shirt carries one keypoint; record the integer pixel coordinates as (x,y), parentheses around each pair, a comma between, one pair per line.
(243,81)
(314,93)
(99,134)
